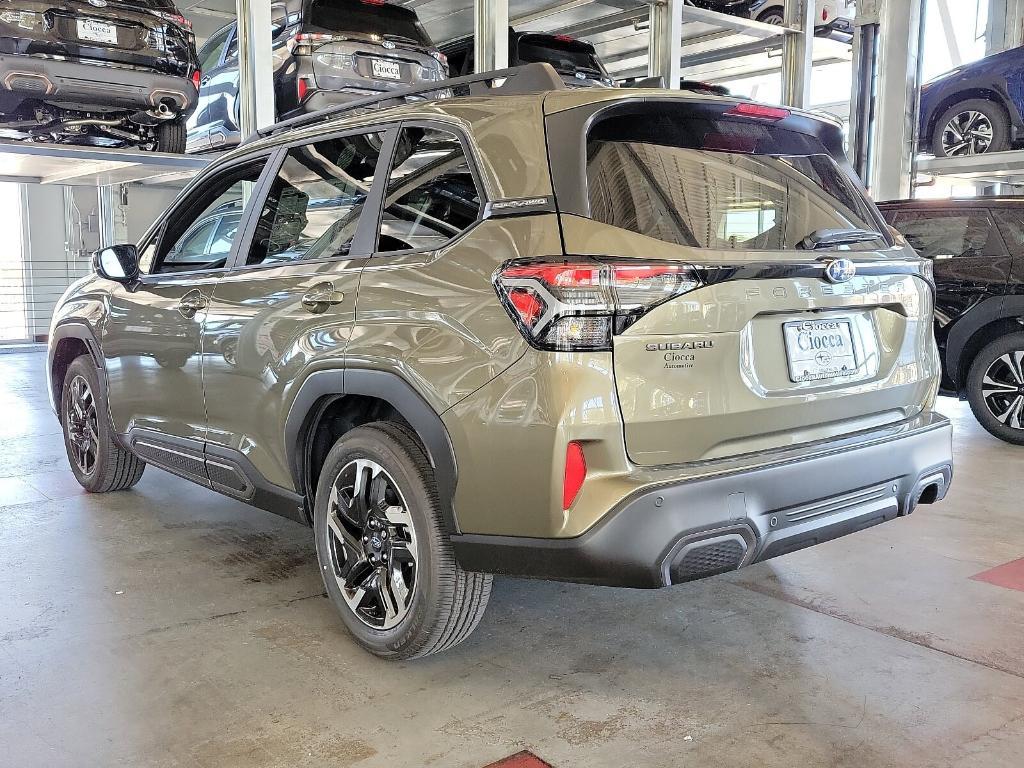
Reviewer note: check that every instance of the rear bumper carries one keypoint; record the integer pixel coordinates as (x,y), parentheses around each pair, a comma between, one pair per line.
(677,532)
(94,85)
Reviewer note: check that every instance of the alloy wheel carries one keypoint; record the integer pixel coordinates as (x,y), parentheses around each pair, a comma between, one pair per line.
(82,425)
(1003,389)
(774,18)
(968,133)
(371,541)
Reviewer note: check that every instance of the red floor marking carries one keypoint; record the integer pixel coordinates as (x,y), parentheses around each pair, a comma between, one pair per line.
(520,760)
(1009,575)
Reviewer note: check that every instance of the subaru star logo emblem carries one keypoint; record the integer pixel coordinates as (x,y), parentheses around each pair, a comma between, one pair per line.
(98,3)
(840,271)
(388,44)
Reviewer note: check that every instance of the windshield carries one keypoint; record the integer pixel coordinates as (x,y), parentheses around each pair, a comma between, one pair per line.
(371,18)
(567,56)
(721,184)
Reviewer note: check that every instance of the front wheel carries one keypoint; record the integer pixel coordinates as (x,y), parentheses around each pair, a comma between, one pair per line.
(98,461)
(773,17)
(384,553)
(972,127)
(995,388)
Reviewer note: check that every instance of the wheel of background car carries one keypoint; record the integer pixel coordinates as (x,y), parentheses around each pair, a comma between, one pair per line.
(773,16)
(171,137)
(384,554)
(972,127)
(995,388)
(98,461)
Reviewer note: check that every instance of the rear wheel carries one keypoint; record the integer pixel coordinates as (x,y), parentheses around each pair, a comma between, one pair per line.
(384,553)
(972,127)
(995,388)
(99,462)
(171,137)
(772,16)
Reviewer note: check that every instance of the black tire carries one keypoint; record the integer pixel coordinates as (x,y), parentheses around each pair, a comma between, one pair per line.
(991,362)
(112,468)
(992,112)
(445,603)
(171,136)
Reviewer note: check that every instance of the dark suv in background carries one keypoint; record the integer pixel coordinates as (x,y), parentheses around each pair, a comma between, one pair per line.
(576,61)
(99,72)
(977,247)
(325,52)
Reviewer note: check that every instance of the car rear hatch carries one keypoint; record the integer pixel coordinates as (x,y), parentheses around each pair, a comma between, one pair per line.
(755,309)
(136,33)
(576,61)
(369,45)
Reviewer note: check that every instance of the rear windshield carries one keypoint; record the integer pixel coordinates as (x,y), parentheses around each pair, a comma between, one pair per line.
(566,55)
(389,21)
(720,183)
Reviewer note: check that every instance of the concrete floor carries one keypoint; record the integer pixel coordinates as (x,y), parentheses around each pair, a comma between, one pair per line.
(170,626)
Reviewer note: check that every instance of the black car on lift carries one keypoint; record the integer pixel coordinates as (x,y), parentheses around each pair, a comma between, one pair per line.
(575,60)
(325,52)
(118,73)
(977,248)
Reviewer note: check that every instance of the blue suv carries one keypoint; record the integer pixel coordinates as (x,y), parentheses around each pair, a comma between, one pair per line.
(975,108)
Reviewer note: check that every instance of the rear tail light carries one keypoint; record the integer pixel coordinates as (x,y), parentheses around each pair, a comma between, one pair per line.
(303,43)
(579,306)
(197,78)
(175,18)
(565,38)
(824,14)
(758,111)
(575,473)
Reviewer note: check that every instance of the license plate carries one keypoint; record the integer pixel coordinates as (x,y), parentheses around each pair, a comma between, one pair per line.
(389,70)
(818,350)
(97,31)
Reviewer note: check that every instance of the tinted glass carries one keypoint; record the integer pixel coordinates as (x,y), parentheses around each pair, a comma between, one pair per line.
(567,56)
(950,234)
(215,208)
(156,5)
(720,184)
(390,21)
(313,207)
(432,196)
(1011,225)
(209,57)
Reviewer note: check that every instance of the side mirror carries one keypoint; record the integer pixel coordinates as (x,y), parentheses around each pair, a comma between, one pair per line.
(119,263)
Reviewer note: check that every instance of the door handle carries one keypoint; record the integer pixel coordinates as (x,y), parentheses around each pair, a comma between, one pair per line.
(191,303)
(321,296)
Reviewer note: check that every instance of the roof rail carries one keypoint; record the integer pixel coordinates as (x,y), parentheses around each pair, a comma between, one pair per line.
(514,81)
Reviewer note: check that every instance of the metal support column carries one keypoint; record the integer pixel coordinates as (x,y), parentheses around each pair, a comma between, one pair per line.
(665,40)
(1005,25)
(255,66)
(865,81)
(490,39)
(798,53)
(894,138)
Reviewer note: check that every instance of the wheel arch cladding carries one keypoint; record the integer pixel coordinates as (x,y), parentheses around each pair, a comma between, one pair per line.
(991,319)
(989,93)
(69,342)
(321,389)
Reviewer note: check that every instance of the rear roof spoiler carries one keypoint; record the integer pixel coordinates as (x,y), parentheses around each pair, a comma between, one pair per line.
(514,81)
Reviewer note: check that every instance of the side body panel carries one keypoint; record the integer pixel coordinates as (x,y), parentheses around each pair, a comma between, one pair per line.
(260,341)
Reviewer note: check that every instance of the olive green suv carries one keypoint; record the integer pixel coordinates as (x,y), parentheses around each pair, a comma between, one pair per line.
(621,337)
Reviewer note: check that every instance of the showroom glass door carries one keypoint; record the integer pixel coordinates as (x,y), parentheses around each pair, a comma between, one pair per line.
(153,333)
(290,302)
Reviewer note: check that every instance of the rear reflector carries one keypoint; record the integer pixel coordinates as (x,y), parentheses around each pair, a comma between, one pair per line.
(197,78)
(302,84)
(575,473)
(759,111)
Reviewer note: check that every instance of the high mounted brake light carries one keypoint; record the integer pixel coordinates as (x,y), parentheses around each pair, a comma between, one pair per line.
(580,305)
(758,111)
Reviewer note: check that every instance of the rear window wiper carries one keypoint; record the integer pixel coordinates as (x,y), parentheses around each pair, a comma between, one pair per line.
(820,239)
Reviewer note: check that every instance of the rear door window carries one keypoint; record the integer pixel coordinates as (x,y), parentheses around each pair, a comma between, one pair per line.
(950,234)
(314,204)
(721,184)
